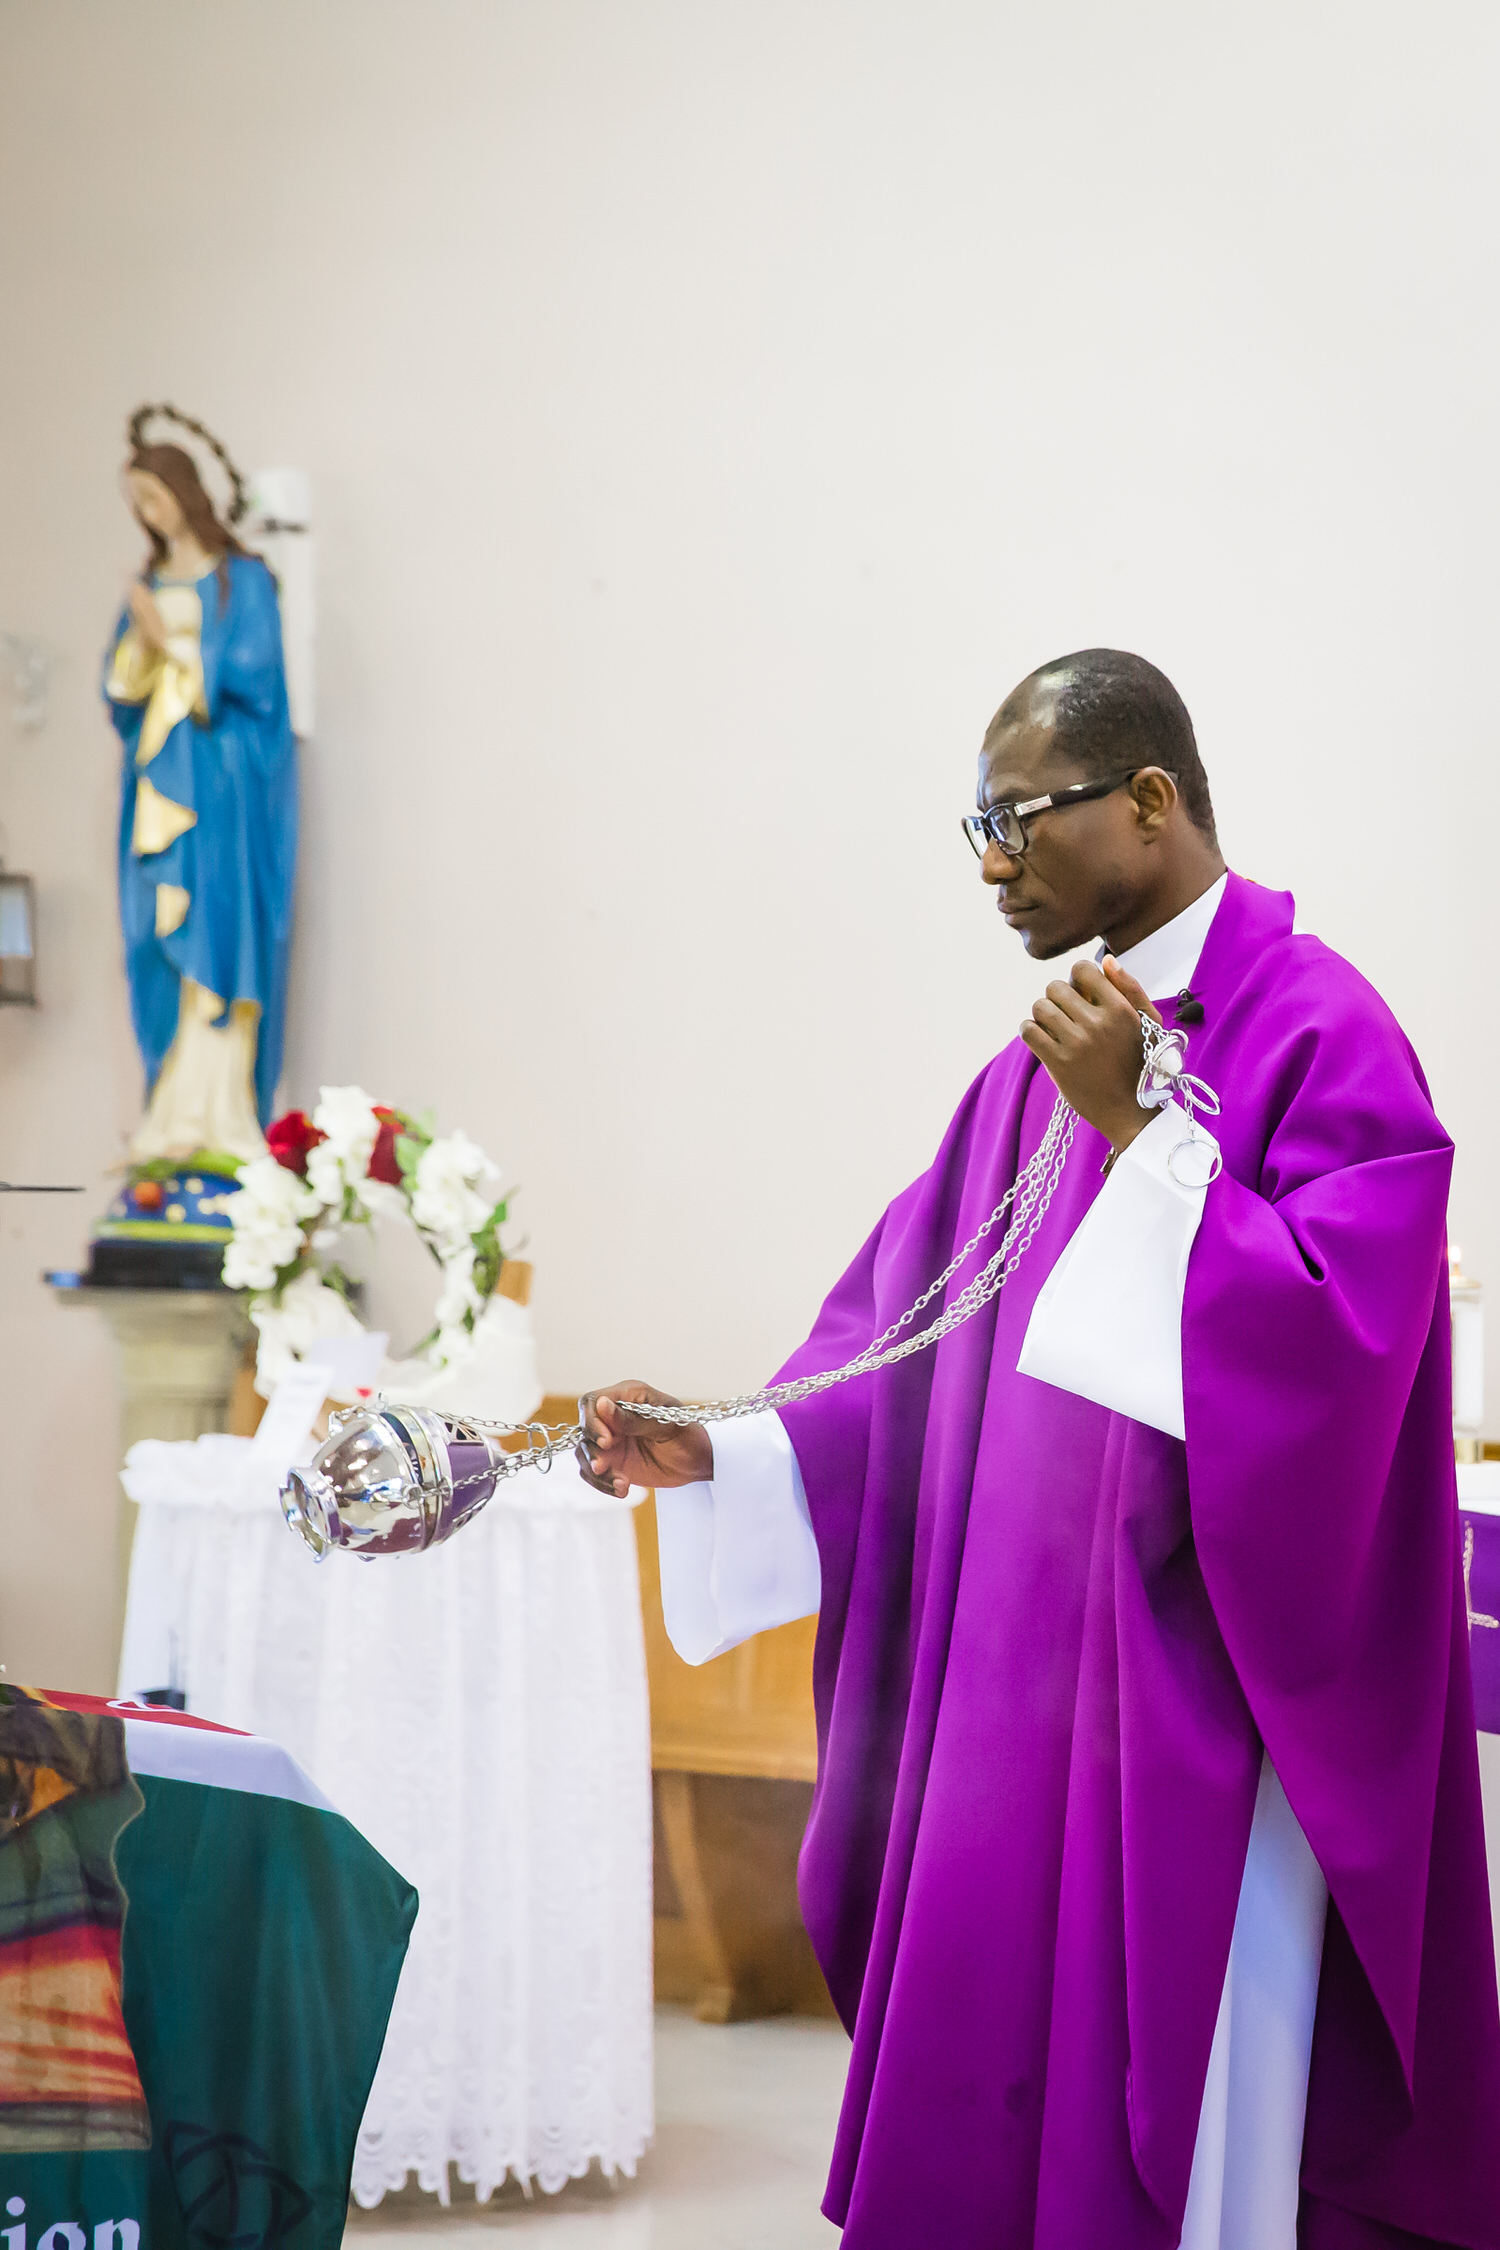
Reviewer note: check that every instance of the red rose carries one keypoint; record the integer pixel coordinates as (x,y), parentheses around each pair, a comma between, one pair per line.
(290,1138)
(382,1164)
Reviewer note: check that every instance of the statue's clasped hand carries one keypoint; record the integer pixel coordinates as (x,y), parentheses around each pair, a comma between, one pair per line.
(145,615)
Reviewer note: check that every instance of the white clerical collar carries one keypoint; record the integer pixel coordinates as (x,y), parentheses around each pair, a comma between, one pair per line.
(1167,960)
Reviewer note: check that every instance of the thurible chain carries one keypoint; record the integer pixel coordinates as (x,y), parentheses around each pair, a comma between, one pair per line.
(1026,1199)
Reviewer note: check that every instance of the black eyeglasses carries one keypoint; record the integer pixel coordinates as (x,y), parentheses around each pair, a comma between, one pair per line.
(1005,825)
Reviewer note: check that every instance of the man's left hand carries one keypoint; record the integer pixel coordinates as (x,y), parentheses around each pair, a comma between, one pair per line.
(1087,1035)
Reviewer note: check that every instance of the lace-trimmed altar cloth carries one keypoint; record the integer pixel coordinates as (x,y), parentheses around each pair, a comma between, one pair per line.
(480,1714)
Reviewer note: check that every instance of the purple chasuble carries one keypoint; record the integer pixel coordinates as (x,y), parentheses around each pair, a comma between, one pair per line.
(1054,1642)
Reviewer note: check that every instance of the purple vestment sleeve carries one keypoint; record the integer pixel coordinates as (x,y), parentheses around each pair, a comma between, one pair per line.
(1055,1646)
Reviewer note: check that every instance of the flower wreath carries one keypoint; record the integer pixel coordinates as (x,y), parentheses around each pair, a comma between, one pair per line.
(353,1161)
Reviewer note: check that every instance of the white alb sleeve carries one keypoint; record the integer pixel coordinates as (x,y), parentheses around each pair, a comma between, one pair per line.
(738,1553)
(1107,1323)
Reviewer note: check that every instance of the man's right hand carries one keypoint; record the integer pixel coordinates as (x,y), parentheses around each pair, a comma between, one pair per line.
(621,1449)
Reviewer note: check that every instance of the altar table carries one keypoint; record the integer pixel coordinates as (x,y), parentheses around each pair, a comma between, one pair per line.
(1479,1516)
(479,1712)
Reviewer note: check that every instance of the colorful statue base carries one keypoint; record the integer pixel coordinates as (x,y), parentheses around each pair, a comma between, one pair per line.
(164,1233)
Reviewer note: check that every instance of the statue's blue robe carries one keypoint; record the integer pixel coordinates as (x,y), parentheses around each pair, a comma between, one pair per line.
(238,773)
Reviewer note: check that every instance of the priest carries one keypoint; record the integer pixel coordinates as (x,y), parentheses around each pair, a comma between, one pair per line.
(1146,1862)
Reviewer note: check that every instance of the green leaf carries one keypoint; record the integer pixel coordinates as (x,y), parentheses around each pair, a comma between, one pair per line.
(288,1273)
(215,1160)
(489,1258)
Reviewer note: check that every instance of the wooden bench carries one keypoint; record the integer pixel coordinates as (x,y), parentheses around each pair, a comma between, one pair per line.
(733,1758)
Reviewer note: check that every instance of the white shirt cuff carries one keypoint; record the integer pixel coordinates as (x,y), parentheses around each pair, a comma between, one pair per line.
(738,1554)
(1107,1324)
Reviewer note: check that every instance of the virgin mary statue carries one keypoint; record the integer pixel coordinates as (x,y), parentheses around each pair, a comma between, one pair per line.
(196,686)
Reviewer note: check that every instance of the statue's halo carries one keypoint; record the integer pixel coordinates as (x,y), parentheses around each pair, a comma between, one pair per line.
(230,511)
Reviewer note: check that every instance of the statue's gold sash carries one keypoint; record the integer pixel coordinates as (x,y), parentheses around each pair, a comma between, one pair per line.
(169,682)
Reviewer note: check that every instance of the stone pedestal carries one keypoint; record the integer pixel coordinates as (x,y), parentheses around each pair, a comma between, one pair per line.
(179,1350)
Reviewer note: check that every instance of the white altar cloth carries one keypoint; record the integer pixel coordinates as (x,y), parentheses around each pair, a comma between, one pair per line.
(480,1713)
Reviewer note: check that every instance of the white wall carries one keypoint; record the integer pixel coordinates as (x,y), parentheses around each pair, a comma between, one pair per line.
(712,411)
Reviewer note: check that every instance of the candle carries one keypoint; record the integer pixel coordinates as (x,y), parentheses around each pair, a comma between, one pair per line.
(1466,1299)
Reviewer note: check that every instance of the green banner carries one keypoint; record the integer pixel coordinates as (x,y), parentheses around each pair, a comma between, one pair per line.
(262,1941)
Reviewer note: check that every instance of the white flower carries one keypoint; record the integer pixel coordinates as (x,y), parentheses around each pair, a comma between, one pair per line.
(308,1309)
(347,1115)
(325,1176)
(448,1345)
(266,1186)
(381,1199)
(458,1296)
(251,1262)
(267,1215)
(455,1189)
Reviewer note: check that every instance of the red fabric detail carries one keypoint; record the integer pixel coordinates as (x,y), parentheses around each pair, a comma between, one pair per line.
(62,2033)
(70,1701)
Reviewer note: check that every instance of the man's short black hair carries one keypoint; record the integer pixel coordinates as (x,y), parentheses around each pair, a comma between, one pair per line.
(1114,712)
